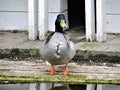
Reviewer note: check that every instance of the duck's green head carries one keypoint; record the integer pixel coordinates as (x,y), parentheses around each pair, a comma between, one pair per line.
(60,23)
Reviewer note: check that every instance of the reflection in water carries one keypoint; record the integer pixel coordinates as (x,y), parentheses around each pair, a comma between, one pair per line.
(48,86)
(60,87)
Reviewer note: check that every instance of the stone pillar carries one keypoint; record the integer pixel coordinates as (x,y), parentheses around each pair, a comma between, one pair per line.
(90,20)
(101,18)
(32,19)
(42,18)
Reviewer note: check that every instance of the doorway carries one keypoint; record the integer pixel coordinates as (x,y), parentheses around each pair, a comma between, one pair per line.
(76,18)
(76,13)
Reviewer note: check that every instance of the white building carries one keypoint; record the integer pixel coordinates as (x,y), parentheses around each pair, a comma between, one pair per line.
(37,16)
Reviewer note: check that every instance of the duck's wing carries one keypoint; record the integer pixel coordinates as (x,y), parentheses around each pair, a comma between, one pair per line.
(67,38)
(71,46)
(49,37)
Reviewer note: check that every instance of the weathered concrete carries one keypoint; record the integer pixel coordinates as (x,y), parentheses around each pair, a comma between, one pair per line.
(17,46)
(94,62)
(34,71)
(10,40)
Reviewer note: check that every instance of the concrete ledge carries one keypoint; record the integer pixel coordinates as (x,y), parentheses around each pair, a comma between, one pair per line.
(86,53)
(70,79)
(31,71)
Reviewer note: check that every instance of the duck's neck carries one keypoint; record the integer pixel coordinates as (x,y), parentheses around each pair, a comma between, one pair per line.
(58,29)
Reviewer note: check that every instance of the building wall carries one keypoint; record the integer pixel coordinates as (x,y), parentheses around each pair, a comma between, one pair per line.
(113,16)
(14,14)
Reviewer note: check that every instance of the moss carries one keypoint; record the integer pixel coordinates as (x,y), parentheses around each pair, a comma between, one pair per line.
(19,54)
(93,58)
(86,46)
(71,79)
(4,53)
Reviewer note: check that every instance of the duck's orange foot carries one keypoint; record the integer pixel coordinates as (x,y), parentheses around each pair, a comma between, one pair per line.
(66,72)
(52,72)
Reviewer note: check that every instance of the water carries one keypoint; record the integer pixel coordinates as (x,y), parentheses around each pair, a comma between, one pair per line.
(48,86)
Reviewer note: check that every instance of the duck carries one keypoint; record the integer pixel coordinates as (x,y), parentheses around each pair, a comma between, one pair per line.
(58,48)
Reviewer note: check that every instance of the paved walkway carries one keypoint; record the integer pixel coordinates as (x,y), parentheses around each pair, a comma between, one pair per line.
(16,40)
(20,40)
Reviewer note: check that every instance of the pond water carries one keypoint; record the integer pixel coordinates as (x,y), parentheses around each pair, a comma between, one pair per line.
(49,86)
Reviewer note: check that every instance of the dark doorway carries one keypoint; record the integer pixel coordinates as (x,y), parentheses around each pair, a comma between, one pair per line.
(76,13)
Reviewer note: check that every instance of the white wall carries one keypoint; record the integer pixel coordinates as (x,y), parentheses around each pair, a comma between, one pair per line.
(113,16)
(13,14)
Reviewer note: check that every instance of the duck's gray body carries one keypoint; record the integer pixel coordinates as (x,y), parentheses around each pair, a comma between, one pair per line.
(58,49)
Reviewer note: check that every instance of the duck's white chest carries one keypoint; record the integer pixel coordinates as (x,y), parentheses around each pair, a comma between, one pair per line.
(58,39)
(58,49)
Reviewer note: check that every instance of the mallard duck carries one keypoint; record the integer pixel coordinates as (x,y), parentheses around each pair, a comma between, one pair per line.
(58,48)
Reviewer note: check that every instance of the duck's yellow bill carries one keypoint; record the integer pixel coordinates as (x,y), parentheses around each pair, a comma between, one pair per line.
(63,24)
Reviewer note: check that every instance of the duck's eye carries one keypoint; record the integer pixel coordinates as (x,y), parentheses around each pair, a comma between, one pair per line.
(63,24)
